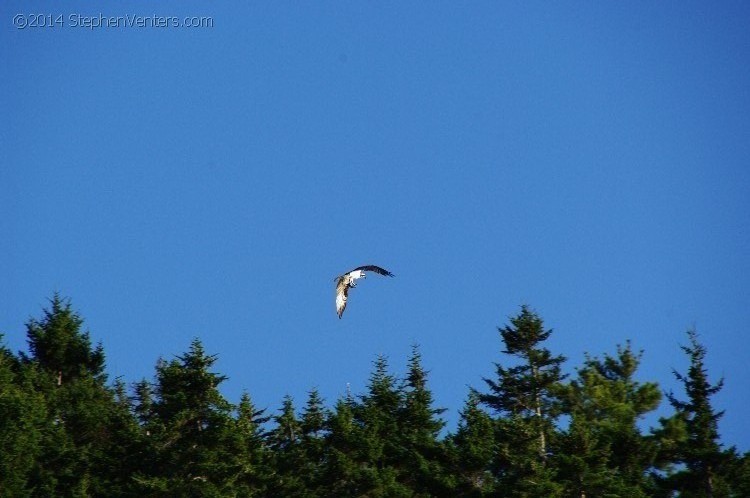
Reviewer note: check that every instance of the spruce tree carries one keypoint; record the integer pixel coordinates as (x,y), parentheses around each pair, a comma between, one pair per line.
(81,431)
(190,429)
(59,346)
(343,461)
(23,416)
(700,451)
(473,449)
(423,457)
(603,448)
(252,449)
(312,440)
(119,458)
(526,400)
(286,442)
(381,439)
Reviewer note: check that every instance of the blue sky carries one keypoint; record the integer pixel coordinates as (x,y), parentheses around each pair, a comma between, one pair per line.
(589,159)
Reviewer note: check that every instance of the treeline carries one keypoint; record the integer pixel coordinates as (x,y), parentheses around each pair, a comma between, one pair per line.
(65,431)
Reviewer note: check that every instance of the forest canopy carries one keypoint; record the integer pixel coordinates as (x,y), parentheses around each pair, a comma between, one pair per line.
(529,431)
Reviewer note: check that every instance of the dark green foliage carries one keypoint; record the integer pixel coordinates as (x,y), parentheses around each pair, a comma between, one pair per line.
(696,444)
(312,441)
(473,449)
(424,457)
(60,348)
(603,451)
(251,449)
(286,442)
(340,471)
(23,413)
(85,428)
(65,432)
(737,472)
(380,451)
(190,430)
(525,397)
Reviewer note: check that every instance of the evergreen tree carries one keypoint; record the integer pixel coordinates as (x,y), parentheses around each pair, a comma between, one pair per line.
(65,432)
(252,449)
(313,433)
(81,430)
(119,458)
(603,449)
(190,429)
(58,345)
(525,397)
(343,462)
(286,443)
(143,405)
(23,413)
(473,449)
(700,451)
(381,442)
(738,474)
(424,458)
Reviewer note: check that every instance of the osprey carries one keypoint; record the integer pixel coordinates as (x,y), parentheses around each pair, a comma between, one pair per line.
(346,281)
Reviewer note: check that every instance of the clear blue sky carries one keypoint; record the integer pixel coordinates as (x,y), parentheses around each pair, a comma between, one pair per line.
(590,159)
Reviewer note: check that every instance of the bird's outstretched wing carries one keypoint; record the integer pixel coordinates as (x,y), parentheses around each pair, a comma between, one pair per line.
(376,269)
(342,290)
(346,281)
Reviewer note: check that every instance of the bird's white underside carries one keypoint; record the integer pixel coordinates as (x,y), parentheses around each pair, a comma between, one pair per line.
(354,275)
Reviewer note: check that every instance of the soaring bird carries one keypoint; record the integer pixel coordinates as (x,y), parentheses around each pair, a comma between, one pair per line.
(347,281)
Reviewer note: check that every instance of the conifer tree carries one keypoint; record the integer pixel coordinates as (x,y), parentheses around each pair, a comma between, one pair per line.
(286,443)
(343,462)
(191,430)
(23,413)
(739,473)
(120,456)
(700,450)
(525,397)
(143,404)
(381,441)
(473,450)
(603,449)
(424,457)
(59,347)
(252,449)
(79,436)
(313,433)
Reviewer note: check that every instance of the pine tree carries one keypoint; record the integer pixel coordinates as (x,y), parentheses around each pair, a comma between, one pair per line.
(700,451)
(525,398)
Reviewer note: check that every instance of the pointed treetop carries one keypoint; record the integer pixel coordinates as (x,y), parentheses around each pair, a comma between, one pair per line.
(60,347)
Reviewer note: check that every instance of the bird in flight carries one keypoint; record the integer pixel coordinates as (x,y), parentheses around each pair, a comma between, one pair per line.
(347,281)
